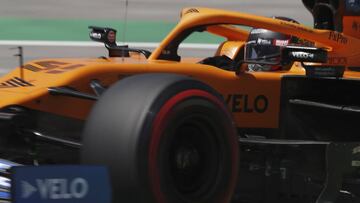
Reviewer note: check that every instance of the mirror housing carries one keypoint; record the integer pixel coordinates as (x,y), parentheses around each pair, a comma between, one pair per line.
(107,36)
(103,34)
(310,55)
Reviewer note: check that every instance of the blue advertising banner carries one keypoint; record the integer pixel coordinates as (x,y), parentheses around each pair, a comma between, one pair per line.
(60,184)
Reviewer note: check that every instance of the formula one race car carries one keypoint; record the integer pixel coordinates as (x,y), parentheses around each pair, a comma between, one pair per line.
(283,96)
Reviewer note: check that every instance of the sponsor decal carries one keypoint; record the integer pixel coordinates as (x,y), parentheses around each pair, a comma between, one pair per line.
(56,188)
(263,41)
(62,183)
(338,37)
(258,31)
(95,35)
(241,103)
(281,43)
(302,55)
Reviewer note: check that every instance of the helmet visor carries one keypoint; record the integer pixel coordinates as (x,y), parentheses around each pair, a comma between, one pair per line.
(262,53)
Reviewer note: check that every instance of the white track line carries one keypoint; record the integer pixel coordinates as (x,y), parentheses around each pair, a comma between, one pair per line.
(95,44)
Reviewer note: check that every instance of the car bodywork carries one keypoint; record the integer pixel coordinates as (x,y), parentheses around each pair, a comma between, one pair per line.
(38,76)
(46,102)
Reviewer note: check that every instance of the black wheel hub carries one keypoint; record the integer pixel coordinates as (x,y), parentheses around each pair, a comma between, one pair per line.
(187,158)
(194,158)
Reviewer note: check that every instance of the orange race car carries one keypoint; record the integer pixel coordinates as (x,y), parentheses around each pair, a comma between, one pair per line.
(169,127)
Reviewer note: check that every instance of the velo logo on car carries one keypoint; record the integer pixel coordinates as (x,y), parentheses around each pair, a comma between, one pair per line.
(60,184)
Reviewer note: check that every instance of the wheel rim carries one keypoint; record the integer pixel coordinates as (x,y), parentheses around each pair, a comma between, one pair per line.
(194,158)
(204,111)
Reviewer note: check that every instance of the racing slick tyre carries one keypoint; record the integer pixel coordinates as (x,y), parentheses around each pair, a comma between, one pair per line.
(165,138)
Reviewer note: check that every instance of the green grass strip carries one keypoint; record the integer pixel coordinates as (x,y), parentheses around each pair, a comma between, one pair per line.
(77,30)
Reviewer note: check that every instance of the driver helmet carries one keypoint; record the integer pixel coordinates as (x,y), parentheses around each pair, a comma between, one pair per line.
(263,48)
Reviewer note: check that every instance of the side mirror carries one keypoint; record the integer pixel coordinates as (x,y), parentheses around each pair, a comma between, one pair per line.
(312,55)
(108,37)
(303,54)
(104,35)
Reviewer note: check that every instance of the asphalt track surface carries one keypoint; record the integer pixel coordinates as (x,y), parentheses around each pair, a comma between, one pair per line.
(166,11)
